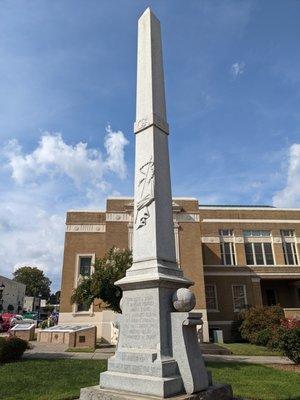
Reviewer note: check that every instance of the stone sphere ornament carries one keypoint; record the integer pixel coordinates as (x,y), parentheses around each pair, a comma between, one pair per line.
(184,300)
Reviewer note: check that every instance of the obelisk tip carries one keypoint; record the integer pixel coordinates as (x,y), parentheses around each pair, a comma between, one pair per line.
(149,12)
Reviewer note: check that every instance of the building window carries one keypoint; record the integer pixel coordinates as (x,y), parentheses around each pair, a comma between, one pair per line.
(211,297)
(227,253)
(81,339)
(81,307)
(85,264)
(271,296)
(289,247)
(257,233)
(227,247)
(287,233)
(239,297)
(226,232)
(259,253)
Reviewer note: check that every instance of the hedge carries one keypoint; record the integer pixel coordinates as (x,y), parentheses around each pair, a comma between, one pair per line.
(11,349)
(290,344)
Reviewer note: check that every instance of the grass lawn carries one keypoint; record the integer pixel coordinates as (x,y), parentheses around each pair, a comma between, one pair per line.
(62,379)
(48,379)
(248,349)
(80,350)
(252,381)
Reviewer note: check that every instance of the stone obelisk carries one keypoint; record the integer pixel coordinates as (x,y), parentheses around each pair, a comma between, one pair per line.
(143,362)
(157,352)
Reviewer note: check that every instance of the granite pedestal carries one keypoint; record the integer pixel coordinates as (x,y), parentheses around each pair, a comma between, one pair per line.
(213,392)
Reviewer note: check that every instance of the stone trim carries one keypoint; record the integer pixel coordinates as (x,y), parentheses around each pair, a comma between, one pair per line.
(119,217)
(247,208)
(151,120)
(87,228)
(217,239)
(251,221)
(177,217)
(186,217)
(210,239)
(269,274)
(177,243)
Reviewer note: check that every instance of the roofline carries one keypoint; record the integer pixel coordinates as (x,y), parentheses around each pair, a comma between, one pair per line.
(132,197)
(87,211)
(263,208)
(119,198)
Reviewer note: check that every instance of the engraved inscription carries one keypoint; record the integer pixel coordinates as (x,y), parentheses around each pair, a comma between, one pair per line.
(139,323)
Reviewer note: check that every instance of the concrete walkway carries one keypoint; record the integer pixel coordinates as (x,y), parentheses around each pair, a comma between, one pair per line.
(248,359)
(56,351)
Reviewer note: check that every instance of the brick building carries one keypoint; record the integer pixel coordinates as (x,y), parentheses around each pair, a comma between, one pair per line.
(236,255)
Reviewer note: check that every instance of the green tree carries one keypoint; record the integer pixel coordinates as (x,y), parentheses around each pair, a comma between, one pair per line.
(100,285)
(37,284)
(55,298)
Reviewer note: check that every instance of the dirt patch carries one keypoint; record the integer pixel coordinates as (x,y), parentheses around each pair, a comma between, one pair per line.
(286,367)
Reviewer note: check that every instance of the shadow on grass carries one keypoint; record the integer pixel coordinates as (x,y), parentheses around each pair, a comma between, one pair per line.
(256,381)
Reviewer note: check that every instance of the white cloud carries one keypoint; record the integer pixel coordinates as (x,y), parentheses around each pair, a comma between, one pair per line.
(114,144)
(237,69)
(41,186)
(53,157)
(289,196)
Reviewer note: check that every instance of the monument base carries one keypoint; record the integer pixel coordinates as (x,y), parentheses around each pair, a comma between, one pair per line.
(214,392)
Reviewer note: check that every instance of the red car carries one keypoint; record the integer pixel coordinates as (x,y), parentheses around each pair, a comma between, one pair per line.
(5,321)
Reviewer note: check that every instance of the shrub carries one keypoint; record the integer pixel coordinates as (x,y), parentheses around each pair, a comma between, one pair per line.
(12,348)
(46,324)
(290,344)
(259,319)
(290,323)
(236,327)
(276,334)
(263,337)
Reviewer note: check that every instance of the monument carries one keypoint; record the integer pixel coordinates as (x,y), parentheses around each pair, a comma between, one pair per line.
(157,352)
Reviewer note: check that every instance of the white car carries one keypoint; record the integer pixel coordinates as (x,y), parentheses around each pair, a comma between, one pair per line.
(18,319)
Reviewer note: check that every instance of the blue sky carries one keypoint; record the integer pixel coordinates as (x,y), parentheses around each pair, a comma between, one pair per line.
(67,103)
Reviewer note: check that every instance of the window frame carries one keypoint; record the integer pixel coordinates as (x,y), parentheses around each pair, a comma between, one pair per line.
(77,278)
(258,239)
(232,253)
(289,239)
(245,296)
(227,237)
(216,298)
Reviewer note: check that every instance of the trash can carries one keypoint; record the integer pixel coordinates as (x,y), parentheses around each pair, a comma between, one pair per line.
(218,336)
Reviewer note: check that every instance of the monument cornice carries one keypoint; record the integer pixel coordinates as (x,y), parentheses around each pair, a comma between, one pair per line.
(151,120)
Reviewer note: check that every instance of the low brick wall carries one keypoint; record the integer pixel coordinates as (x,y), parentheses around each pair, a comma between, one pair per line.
(80,338)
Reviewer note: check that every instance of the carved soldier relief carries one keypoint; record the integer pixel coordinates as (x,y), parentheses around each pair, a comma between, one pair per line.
(145,193)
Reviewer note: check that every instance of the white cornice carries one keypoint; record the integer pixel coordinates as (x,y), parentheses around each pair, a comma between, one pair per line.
(248,208)
(86,228)
(256,274)
(87,211)
(251,221)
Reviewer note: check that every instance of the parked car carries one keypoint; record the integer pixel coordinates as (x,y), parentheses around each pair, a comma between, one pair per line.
(19,319)
(6,318)
(30,315)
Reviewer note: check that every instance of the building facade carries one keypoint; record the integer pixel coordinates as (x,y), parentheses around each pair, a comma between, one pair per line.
(12,295)
(236,256)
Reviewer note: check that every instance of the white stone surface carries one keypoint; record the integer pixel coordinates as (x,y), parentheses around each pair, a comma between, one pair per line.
(184,300)
(186,351)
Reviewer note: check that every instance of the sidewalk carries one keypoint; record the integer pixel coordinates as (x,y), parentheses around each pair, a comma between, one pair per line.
(248,359)
(55,351)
